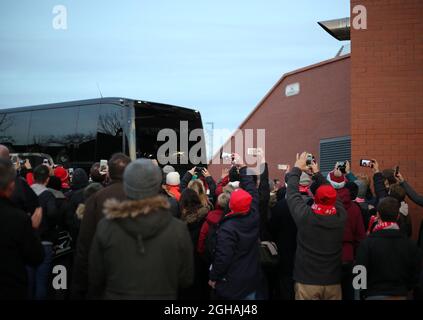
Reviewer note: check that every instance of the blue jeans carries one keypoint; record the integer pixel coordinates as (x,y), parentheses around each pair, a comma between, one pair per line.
(38,277)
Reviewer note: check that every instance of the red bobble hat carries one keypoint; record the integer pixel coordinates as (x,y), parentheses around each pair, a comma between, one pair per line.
(324,200)
(336,182)
(63,175)
(240,202)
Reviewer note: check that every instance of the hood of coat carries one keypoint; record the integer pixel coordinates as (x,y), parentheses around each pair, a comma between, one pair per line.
(345,196)
(240,202)
(215,216)
(141,219)
(197,216)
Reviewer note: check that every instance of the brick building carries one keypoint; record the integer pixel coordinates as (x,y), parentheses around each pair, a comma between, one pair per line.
(365,104)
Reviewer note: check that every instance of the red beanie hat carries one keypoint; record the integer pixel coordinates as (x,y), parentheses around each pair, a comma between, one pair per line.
(240,201)
(324,200)
(63,175)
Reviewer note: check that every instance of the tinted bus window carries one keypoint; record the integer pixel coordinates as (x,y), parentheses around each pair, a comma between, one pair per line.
(14,130)
(85,149)
(110,131)
(53,131)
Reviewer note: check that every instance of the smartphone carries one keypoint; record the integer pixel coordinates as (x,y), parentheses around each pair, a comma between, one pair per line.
(103,166)
(366,163)
(396,171)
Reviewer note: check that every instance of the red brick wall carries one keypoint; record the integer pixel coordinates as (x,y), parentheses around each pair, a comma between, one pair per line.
(387,89)
(297,123)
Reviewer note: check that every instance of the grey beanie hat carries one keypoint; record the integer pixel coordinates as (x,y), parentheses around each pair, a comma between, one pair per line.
(362,189)
(305,180)
(168,168)
(141,179)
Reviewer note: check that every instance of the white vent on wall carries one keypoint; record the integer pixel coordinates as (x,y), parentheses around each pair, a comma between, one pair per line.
(292,89)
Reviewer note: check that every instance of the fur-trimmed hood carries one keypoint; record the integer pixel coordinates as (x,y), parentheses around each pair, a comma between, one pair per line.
(197,216)
(141,219)
(114,209)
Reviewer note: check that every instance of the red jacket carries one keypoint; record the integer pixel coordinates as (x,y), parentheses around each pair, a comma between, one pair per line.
(354,231)
(213,217)
(221,184)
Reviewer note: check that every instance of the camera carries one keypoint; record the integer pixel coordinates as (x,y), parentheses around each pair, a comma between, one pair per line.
(199,171)
(310,159)
(342,166)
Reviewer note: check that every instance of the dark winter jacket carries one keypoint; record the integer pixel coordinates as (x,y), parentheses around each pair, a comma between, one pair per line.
(19,247)
(367,211)
(264,197)
(92,215)
(24,197)
(393,263)
(319,241)
(236,267)
(199,287)
(48,230)
(76,197)
(412,194)
(284,233)
(354,231)
(140,251)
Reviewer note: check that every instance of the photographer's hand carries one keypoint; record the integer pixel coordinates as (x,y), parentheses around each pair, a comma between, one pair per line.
(399,177)
(347,167)
(205,173)
(314,167)
(375,166)
(301,162)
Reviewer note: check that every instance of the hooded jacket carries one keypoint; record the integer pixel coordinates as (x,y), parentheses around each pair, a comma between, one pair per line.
(92,215)
(140,251)
(319,237)
(354,231)
(236,266)
(19,247)
(393,263)
(51,214)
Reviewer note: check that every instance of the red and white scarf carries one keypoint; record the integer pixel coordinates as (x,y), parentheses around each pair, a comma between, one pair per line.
(380,225)
(323,210)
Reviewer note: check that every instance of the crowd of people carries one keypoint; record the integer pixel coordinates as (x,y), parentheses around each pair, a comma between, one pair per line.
(139,231)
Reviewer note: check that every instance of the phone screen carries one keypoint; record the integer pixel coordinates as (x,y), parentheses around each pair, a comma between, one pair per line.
(365,163)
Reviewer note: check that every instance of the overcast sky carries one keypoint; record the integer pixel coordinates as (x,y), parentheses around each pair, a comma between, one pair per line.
(220,57)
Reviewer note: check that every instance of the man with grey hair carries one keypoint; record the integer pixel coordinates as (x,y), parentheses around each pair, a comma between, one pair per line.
(19,247)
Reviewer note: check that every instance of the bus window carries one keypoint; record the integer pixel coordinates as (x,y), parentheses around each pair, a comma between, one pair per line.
(14,130)
(86,131)
(53,132)
(110,131)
